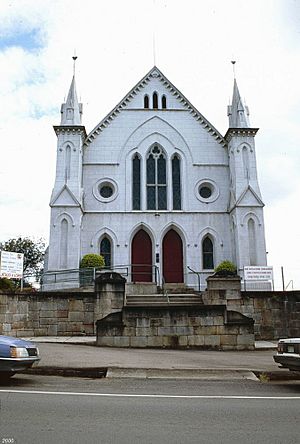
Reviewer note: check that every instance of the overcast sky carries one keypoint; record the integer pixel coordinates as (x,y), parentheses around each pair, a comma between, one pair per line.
(195,40)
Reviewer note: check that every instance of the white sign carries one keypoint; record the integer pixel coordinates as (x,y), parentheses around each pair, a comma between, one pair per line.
(263,273)
(11,265)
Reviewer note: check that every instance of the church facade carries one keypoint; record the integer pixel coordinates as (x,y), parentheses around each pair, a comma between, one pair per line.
(155,189)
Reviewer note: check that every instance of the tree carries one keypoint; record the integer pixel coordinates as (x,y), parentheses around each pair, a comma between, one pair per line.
(33,252)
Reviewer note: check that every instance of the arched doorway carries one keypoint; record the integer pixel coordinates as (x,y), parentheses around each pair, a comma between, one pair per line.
(172,257)
(141,257)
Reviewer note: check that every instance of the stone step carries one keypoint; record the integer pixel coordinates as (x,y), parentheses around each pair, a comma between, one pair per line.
(160,299)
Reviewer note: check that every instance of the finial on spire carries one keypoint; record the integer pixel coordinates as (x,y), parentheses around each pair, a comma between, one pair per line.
(74,61)
(71,110)
(233,62)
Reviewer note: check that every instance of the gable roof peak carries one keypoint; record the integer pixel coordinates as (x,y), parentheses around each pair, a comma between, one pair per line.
(155,72)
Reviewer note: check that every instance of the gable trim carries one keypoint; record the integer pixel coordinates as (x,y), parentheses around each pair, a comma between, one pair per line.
(249,188)
(55,198)
(155,73)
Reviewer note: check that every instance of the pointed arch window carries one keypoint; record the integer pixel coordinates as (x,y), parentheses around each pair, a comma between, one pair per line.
(68,163)
(164,102)
(155,100)
(105,251)
(176,183)
(245,156)
(146,101)
(252,241)
(207,254)
(136,183)
(156,180)
(63,259)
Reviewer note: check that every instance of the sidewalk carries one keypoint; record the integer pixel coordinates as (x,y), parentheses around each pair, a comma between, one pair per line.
(78,356)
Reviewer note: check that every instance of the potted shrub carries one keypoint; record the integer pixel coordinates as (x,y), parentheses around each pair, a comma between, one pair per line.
(87,265)
(225,269)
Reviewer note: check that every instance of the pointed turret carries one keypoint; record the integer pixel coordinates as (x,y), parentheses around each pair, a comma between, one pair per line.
(238,113)
(71,110)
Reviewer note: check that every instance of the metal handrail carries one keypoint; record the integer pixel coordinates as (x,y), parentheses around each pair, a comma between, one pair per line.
(124,270)
(292,285)
(197,273)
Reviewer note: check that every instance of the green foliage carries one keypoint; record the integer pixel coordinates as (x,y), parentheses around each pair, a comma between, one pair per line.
(226,266)
(92,260)
(33,252)
(6,284)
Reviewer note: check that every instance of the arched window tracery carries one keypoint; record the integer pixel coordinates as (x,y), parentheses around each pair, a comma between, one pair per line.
(156,179)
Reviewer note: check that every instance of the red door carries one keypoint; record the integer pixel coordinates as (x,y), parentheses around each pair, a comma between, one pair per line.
(172,257)
(141,257)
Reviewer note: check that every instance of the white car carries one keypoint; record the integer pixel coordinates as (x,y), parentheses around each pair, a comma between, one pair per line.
(288,353)
(16,355)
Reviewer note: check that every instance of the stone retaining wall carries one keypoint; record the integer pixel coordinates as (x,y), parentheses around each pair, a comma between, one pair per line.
(176,327)
(47,314)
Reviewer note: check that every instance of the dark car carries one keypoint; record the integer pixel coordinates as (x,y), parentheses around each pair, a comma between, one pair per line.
(288,353)
(16,355)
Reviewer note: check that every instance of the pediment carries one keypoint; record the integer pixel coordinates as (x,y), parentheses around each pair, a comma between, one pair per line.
(154,76)
(64,198)
(249,198)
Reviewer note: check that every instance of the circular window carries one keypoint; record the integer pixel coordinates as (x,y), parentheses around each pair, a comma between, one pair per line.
(205,191)
(106,191)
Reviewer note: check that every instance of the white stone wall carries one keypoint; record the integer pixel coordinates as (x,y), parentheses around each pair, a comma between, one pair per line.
(106,156)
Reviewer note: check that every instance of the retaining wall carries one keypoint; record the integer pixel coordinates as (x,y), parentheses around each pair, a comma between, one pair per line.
(47,314)
(176,327)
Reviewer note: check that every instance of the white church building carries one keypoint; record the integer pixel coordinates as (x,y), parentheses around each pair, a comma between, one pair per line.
(155,189)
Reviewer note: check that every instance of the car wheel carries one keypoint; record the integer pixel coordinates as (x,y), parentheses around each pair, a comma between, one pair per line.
(4,376)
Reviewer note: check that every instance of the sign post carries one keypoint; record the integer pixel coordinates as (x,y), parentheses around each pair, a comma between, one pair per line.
(11,265)
(258,273)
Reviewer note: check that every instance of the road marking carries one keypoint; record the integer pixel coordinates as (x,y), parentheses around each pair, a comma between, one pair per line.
(129,395)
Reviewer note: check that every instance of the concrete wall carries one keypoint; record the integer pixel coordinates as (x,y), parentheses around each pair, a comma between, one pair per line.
(47,314)
(176,327)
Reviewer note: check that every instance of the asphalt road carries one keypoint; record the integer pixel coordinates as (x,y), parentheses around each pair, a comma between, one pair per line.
(41,409)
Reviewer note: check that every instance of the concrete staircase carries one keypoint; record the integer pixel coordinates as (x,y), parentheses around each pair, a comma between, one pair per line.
(174,295)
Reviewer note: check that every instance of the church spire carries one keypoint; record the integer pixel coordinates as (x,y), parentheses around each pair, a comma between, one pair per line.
(71,110)
(238,113)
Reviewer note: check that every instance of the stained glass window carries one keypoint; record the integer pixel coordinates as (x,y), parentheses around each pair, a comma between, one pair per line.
(176,183)
(155,100)
(156,180)
(163,102)
(207,254)
(136,183)
(105,251)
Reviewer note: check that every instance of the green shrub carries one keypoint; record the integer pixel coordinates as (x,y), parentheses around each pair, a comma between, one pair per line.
(226,267)
(7,284)
(92,260)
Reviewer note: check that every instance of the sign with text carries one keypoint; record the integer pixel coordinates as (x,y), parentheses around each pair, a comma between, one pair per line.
(257,273)
(11,265)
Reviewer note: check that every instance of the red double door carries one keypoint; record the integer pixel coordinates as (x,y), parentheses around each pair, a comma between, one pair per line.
(141,257)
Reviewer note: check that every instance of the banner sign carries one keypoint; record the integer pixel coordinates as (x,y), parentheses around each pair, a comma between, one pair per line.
(11,265)
(262,273)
